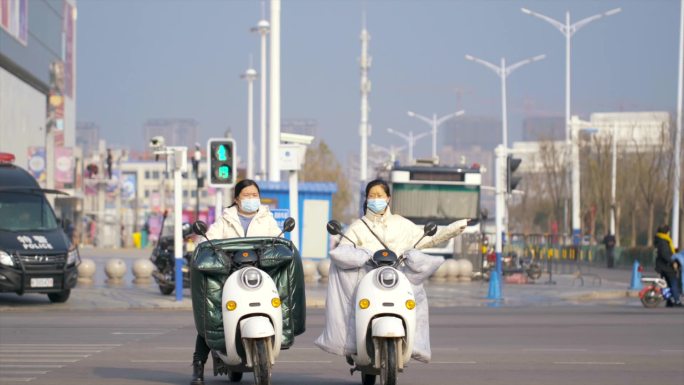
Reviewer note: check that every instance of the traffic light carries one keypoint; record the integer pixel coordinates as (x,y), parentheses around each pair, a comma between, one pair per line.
(221,170)
(512,164)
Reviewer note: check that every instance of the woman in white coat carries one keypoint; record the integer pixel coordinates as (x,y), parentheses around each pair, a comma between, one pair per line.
(246,217)
(349,266)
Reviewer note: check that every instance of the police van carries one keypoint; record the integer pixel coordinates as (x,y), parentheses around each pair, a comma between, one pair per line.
(36,256)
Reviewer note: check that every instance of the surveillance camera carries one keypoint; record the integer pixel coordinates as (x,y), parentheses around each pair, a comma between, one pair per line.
(287,137)
(157,142)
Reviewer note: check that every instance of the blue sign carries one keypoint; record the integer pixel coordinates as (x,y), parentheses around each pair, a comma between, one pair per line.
(280,216)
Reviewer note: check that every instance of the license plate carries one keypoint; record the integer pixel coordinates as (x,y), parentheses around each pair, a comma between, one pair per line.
(42,282)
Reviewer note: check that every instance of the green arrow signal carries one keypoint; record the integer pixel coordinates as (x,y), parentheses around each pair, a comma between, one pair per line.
(221,153)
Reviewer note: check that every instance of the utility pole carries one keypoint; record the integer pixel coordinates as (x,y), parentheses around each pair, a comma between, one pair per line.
(364,127)
(250,75)
(263,28)
(678,135)
(274,135)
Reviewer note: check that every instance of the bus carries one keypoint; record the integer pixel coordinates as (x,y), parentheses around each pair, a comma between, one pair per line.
(437,194)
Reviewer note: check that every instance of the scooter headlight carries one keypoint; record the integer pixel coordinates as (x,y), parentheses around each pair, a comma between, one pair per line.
(251,278)
(388,278)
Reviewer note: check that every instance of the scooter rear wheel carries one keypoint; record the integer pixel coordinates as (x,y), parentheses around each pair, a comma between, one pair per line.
(388,362)
(261,363)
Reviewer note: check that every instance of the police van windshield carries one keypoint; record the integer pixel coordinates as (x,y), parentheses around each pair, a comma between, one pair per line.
(21,211)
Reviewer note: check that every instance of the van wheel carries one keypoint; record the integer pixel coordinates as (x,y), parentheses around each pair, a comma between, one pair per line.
(60,297)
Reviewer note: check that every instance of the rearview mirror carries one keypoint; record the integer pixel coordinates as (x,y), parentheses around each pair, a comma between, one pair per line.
(334,227)
(199,228)
(288,225)
(430,229)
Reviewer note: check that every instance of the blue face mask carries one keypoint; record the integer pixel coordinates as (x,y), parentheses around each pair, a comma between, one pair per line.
(377,205)
(250,205)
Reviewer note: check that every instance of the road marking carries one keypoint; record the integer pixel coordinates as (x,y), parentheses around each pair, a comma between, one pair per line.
(30,366)
(38,360)
(174,348)
(4,351)
(303,362)
(65,345)
(42,355)
(160,361)
(22,379)
(24,372)
(454,362)
(587,363)
(553,350)
(136,333)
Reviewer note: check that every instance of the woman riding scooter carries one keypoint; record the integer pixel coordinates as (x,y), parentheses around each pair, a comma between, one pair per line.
(372,232)
(245,217)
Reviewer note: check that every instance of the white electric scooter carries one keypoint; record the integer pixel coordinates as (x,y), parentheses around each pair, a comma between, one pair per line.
(252,317)
(385,315)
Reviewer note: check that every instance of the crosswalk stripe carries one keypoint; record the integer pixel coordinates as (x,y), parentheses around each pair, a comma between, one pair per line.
(39,360)
(3,366)
(64,345)
(18,379)
(4,351)
(4,371)
(42,355)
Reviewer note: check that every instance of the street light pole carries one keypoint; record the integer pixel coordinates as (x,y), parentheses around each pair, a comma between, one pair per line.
(274,127)
(410,140)
(568,30)
(678,135)
(263,28)
(503,72)
(435,122)
(613,181)
(250,75)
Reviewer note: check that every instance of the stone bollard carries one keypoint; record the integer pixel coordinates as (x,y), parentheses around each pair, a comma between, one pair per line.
(86,271)
(452,269)
(465,270)
(115,269)
(309,270)
(323,268)
(142,271)
(440,274)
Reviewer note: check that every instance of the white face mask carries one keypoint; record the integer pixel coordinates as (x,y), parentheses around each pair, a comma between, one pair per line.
(250,205)
(377,205)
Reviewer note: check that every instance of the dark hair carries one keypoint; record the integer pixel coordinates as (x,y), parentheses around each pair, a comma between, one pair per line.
(241,186)
(370,185)
(664,229)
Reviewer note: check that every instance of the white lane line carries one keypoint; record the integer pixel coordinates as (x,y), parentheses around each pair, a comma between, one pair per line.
(454,362)
(553,350)
(3,366)
(587,363)
(160,361)
(136,333)
(174,348)
(38,360)
(65,345)
(18,379)
(42,355)
(4,371)
(65,351)
(303,362)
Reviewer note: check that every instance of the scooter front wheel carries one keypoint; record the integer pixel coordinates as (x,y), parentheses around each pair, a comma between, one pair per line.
(368,379)
(235,376)
(261,363)
(388,362)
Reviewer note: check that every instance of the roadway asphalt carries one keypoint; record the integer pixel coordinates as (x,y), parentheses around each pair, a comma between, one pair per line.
(612,344)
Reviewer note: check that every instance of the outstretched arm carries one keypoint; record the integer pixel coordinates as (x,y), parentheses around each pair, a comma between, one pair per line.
(443,234)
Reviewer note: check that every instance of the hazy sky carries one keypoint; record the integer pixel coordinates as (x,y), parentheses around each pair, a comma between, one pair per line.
(159,58)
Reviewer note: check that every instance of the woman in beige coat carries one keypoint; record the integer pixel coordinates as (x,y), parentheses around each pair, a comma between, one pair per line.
(246,217)
(349,266)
